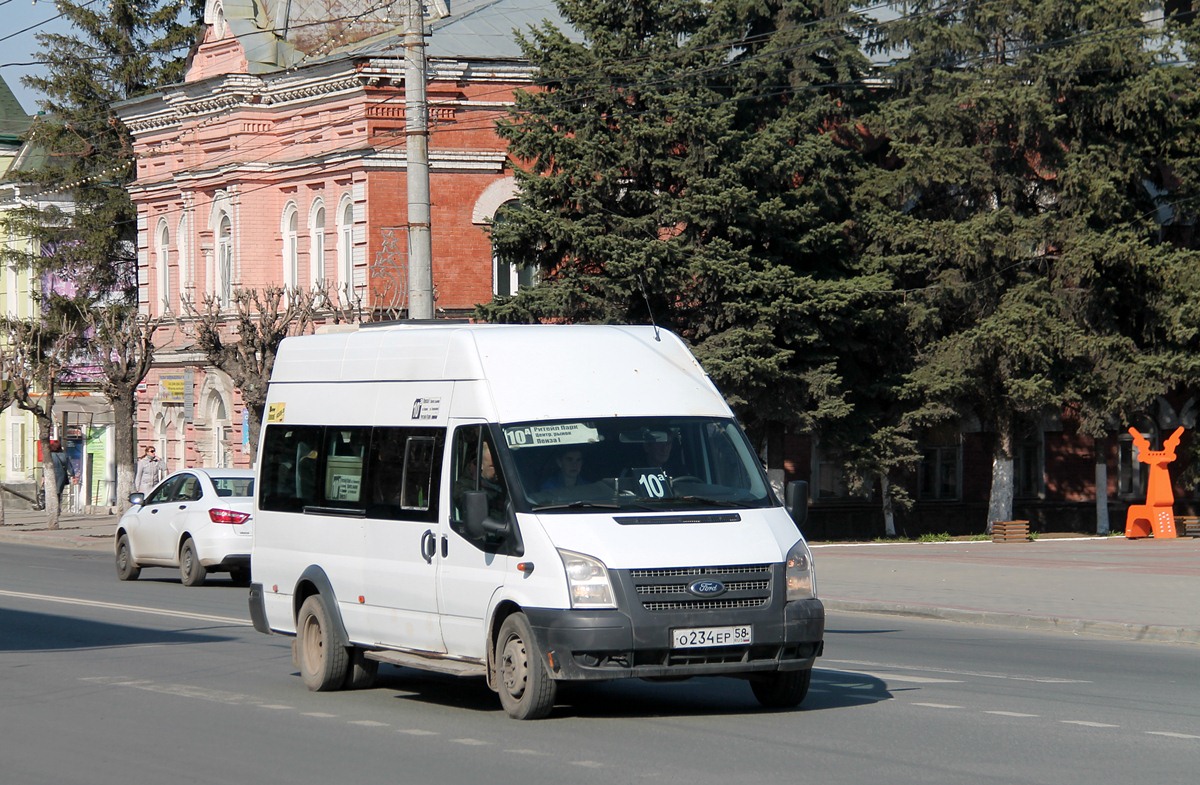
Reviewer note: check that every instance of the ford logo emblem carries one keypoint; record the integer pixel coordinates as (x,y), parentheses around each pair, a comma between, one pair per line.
(707,588)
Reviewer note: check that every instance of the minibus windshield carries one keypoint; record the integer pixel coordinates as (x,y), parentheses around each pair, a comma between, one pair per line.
(637,463)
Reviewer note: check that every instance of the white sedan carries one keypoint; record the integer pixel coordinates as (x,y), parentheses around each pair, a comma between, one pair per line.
(198,520)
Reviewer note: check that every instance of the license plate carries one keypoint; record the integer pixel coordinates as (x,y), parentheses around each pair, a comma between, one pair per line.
(697,637)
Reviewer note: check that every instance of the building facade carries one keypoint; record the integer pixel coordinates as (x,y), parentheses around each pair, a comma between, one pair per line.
(281,161)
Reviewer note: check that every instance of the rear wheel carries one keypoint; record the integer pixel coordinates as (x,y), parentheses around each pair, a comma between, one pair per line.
(783,689)
(321,657)
(360,675)
(240,576)
(526,689)
(191,571)
(127,569)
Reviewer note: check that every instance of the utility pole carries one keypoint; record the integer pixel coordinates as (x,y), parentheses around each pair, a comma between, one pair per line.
(416,129)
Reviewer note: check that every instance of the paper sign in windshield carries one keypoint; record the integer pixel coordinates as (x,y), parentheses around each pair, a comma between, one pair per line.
(550,435)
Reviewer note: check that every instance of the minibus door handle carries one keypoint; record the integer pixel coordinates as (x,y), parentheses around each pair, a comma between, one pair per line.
(445,546)
(428,546)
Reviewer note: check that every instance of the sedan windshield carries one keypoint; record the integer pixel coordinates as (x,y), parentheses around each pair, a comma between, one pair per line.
(642,463)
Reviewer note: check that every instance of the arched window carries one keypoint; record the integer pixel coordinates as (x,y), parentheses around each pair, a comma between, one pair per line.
(507,278)
(162,269)
(291,253)
(317,242)
(218,419)
(225,261)
(345,245)
(183,242)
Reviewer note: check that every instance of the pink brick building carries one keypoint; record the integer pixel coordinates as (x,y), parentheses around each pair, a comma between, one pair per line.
(281,160)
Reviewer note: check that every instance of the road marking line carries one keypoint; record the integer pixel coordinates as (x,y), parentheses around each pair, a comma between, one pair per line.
(471,742)
(938,705)
(119,607)
(911,679)
(528,752)
(1010,714)
(369,723)
(320,715)
(1087,724)
(950,672)
(588,764)
(1171,735)
(417,732)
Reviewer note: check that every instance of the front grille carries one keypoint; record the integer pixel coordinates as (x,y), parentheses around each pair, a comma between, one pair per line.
(746,586)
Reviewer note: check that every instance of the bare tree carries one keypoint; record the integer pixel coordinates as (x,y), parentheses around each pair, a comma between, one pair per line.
(121,345)
(243,337)
(6,400)
(40,352)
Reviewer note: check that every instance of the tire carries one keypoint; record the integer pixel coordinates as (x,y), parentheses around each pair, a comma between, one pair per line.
(323,661)
(526,689)
(240,576)
(782,689)
(127,568)
(361,673)
(191,571)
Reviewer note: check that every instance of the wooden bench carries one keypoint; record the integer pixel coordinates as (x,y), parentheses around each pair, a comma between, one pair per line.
(1187,526)
(1010,531)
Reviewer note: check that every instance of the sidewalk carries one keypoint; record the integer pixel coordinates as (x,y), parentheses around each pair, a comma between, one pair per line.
(1134,589)
(1142,589)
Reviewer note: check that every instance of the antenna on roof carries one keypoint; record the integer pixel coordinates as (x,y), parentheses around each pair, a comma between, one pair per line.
(649,310)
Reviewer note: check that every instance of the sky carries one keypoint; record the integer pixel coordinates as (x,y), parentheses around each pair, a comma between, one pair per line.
(20,21)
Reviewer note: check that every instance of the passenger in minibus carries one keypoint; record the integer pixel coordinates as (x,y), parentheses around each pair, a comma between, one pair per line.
(569,465)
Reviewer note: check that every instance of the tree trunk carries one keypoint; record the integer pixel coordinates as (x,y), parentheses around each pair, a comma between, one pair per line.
(889,508)
(254,423)
(124,445)
(1000,501)
(1102,524)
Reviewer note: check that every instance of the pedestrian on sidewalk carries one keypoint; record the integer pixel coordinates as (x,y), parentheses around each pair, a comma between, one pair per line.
(150,471)
(62,467)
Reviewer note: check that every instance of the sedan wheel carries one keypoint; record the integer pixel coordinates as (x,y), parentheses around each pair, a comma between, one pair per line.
(191,571)
(127,569)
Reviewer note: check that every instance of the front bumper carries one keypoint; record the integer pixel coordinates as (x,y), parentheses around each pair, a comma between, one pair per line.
(612,644)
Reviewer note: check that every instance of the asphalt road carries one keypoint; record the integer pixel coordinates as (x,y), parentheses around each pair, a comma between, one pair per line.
(108,682)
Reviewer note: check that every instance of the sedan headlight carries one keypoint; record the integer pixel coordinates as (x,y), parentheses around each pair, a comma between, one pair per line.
(587,580)
(798,573)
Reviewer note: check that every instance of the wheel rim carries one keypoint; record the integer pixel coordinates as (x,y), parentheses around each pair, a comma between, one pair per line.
(514,667)
(187,561)
(123,556)
(312,645)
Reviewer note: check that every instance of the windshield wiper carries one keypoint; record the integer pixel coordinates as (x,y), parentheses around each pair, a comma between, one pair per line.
(578,505)
(706,501)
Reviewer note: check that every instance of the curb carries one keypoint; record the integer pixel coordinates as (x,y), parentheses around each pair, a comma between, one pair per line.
(1106,629)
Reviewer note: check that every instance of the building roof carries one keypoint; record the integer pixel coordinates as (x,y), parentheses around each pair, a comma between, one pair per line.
(14,122)
(280,34)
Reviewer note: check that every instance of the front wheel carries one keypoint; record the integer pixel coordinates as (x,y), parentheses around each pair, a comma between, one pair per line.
(782,689)
(526,689)
(191,571)
(323,661)
(127,568)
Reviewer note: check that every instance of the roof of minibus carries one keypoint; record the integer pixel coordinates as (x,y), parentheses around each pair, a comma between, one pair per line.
(532,371)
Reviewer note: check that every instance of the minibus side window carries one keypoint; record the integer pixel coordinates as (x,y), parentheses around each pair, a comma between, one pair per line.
(477,468)
(404,473)
(289,467)
(344,453)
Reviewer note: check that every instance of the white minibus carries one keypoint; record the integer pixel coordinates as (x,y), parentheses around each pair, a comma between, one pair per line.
(531,504)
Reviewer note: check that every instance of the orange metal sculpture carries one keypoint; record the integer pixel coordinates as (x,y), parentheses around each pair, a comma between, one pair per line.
(1157,516)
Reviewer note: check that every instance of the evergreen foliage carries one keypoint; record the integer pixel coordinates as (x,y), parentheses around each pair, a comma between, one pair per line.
(690,163)
(1019,205)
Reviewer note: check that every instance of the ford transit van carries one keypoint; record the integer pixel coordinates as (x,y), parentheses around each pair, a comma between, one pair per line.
(527,504)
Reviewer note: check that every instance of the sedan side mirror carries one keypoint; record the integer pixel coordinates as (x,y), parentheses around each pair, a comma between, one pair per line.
(137,498)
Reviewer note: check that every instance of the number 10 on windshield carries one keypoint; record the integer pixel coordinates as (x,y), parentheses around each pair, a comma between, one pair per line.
(654,485)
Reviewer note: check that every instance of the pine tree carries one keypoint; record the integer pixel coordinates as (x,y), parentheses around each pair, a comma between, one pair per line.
(690,163)
(1015,209)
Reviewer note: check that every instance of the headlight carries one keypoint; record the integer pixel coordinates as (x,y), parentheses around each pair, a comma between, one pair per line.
(798,573)
(587,579)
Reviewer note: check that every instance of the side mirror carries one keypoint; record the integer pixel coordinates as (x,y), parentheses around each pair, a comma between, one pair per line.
(796,500)
(137,498)
(475,516)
